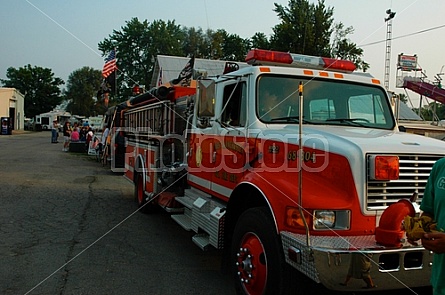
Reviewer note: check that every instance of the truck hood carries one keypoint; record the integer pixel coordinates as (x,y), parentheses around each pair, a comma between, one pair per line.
(355,141)
(355,144)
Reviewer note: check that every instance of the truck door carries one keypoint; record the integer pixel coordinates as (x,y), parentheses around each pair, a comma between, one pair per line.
(229,155)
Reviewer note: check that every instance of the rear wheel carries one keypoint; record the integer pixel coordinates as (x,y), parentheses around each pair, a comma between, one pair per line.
(141,197)
(257,254)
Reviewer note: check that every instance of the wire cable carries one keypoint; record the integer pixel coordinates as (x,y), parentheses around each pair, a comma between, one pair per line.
(404,36)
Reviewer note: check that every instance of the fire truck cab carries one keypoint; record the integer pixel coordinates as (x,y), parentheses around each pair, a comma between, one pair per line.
(291,160)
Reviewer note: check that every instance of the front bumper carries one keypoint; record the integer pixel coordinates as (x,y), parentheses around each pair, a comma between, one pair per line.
(328,260)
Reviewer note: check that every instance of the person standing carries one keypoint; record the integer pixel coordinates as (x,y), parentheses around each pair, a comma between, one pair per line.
(89,139)
(55,132)
(75,136)
(433,205)
(66,136)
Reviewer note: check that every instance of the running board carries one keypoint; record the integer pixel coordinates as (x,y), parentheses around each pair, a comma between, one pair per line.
(183,220)
(204,215)
(202,241)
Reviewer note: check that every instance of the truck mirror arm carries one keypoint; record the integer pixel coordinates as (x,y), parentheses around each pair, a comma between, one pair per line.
(227,126)
(203,122)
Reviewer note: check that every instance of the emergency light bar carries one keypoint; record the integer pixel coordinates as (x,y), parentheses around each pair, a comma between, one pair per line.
(278,58)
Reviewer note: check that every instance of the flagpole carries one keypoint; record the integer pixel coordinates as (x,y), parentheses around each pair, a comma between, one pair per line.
(115,76)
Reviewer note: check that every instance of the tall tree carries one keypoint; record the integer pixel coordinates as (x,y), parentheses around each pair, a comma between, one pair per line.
(194,43)
(235,48)
(38,85)
(81,89)
(260,41)
(343,48)
(309,28)
(296,32)
(216,41)
(136,44)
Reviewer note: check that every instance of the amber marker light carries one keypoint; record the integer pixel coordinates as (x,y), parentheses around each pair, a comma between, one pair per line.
(293,218)
(384,167)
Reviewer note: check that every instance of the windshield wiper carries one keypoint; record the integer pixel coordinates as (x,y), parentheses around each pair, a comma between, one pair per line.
(295,119)
(350,121)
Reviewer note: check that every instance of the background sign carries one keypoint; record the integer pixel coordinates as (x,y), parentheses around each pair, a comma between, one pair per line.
(407,62)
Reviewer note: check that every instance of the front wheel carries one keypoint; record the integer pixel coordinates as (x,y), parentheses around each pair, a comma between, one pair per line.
(257,254)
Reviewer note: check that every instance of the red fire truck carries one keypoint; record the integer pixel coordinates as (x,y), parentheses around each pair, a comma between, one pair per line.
(290,160)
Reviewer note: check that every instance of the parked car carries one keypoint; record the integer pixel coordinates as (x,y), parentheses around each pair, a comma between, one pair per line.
(29,124)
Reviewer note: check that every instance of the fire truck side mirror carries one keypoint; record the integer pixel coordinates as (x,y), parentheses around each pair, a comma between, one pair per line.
(206,98)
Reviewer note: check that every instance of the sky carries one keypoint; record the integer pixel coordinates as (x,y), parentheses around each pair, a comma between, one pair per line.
(63,35)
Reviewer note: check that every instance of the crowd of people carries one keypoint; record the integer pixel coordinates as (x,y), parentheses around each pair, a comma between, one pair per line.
(79,133)
(76,133)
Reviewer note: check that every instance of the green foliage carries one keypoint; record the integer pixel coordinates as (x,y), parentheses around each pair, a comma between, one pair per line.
(195,42)
(433,111)
(136,44)
(343,48)
(82,86)
(310,29)
(259,40)
(304,28)
(235,48)
(38,85)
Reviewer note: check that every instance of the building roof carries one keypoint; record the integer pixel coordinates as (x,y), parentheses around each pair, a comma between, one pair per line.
(7,90)
(168,68)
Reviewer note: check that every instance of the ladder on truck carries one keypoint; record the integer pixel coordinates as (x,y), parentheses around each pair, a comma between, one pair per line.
(154,119)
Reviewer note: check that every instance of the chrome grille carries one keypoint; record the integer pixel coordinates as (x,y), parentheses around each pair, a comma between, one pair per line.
(413,175)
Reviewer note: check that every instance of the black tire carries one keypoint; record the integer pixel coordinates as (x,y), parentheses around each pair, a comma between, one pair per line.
(256,255)
(140,196)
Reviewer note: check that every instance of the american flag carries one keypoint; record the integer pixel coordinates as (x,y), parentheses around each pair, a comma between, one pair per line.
(110,64)
(186,74)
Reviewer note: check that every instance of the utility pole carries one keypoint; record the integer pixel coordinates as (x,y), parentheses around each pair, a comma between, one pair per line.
(388,21)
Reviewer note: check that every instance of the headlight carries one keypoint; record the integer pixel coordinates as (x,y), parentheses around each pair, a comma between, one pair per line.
(324,219)
(331,219)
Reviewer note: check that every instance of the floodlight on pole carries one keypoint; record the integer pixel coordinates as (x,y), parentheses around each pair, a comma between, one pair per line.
(388,20)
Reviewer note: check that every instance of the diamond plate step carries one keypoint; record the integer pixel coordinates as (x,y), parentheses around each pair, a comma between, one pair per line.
(183,221)
(202,241)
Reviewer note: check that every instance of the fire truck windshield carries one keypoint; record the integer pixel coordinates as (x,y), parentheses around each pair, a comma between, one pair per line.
(325,102)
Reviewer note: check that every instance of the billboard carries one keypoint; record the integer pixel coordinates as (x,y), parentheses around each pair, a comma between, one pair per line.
(407,62)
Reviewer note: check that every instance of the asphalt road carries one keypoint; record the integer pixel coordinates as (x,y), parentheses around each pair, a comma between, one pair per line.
(70,226)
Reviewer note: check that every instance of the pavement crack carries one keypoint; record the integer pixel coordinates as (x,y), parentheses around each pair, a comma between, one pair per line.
(82,225)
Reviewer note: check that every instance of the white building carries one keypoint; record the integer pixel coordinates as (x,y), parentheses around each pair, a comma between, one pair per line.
(45,120)
(12,104)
